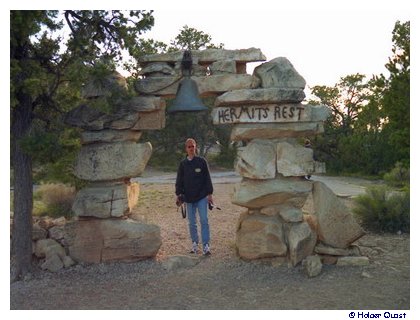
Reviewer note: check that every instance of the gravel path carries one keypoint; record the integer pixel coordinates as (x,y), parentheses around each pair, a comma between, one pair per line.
(221,281)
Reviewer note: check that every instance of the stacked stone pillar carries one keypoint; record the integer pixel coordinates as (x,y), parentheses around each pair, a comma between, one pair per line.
(271,124)
(109,157)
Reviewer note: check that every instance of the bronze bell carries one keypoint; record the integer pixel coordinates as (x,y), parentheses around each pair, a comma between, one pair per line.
(187,97)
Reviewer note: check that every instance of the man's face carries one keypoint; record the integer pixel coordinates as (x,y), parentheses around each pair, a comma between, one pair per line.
(190,148)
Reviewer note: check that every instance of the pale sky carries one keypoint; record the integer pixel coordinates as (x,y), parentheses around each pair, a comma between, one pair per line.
(324,40)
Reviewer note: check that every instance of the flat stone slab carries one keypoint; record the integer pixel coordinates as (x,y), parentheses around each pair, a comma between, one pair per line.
(106,201)
(336,225)
(294,160)
(260,96)
(105,240)
(260,236)
(250,131)
(262,193)
(257,160)
(112,161)
(207,85)
(207,56)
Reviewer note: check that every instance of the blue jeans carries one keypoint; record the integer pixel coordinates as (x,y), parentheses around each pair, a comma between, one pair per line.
(201,205)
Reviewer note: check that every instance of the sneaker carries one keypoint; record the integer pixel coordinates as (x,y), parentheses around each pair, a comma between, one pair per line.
(194,248)
(206,250)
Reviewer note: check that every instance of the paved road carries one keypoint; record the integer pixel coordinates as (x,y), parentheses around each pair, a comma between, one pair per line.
(342,186)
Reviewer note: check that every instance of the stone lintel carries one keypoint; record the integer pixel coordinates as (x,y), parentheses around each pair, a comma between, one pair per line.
(207,56)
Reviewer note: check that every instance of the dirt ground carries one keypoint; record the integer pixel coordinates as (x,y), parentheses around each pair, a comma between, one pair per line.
(221,281)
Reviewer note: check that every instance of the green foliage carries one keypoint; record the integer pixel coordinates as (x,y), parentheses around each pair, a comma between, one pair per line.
(369,130)
(346,100)
(54,200)
(50,78)
(383,211)
(169,142)
(396,96)
(53,155)
(226,158)
(166,161)
(398,177)
(103,33)
(46,74)
(192,39)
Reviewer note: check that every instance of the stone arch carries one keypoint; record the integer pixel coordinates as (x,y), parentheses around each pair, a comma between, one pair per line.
(267,114)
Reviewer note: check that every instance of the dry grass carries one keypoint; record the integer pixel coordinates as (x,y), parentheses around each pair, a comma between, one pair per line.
(54,199)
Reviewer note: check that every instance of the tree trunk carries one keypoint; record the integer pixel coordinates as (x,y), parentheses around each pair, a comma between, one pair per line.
(22,202)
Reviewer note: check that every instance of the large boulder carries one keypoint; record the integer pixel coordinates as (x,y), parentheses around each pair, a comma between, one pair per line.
(98,240)
(279,73)
(335,223)
(301,240)
(260,236)
(106,201)
(262,193)
(112,161)
(257,160)
(294,160)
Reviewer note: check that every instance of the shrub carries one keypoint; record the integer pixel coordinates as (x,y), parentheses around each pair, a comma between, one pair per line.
(398,177)
(384,211)
(54,200)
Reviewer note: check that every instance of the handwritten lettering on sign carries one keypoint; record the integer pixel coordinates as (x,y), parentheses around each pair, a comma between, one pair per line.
(267,113)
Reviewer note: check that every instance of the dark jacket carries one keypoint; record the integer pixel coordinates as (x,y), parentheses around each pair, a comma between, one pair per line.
(193,179)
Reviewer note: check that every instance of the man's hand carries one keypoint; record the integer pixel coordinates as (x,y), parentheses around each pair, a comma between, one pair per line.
(179,200)
(210,199)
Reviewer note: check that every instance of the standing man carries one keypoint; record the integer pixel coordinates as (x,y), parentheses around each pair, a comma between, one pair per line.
(193,184)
